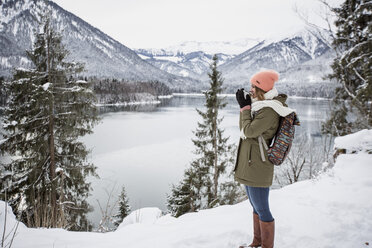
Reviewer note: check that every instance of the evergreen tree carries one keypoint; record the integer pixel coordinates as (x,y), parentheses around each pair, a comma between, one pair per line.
(46,114)
(200,187)
(185,197)
(124,208)
(352,108)
(180,200)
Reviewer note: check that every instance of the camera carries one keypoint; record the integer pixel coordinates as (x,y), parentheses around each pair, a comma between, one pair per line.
(246,93)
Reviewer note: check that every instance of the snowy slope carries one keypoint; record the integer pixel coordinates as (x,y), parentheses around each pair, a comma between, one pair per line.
(279,53)
(193,64)
(102,55)
(333,210)
(192,58)
(234,47)
(312,71)
(301,56)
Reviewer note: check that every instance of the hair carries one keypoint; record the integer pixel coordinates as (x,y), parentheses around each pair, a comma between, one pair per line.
(260,94)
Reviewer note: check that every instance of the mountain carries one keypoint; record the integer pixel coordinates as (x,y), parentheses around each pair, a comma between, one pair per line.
(302,57)
(102,55)
(194,64)
(192,58)
(234,47)
(307,48)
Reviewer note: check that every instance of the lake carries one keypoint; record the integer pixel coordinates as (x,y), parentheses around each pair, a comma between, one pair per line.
(146,148)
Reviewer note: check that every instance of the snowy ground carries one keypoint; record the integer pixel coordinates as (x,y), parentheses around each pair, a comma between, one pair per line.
(334,210)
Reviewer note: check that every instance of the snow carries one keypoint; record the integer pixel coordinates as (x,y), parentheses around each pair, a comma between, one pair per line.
(233,47)
(188,94)
(13,123)
(5,62)
(9,15)
(174,59)
(143,56)
(46,86)
(128,103)
(309,36)
(105,47)
(165,97)
(15,28)
(360,141)
(105,50)
(3,141)
(81,82)
(25,61)
(10,217)
(313,79)
(143,216)
(184,73)
(333,210)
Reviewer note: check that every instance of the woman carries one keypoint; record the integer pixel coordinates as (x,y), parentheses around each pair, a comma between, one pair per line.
(259,116)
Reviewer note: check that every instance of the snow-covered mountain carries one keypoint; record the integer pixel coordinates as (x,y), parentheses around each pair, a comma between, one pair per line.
(301,56)
(194,64)
(234,47)
(102,55)
(192,58)
(308,48)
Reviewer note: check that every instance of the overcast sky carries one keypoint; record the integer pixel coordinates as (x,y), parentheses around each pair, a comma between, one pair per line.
(161,23)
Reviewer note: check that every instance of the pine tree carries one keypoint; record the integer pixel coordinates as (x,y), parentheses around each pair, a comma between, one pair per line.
(352,108)
(180,200)
(124,208)
(46,114)
(210,142)
(200,187)
(185,197)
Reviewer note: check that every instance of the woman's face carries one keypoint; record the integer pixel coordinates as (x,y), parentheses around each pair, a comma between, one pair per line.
(252,91)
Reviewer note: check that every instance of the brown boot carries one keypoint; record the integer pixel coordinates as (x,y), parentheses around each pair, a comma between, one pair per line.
(267,234)
(256,232)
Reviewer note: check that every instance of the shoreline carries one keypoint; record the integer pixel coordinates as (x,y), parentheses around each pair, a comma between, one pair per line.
(126,103)
(135,103)
(155,102)
(233,95)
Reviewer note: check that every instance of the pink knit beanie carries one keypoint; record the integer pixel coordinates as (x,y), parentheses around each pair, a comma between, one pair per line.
(265,79)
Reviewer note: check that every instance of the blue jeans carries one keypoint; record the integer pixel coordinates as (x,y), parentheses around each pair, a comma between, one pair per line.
(259,199)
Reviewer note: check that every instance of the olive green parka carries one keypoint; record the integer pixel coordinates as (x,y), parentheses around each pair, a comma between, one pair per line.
(249,168)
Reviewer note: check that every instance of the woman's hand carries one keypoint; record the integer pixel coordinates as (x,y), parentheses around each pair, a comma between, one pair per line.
(243,100)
